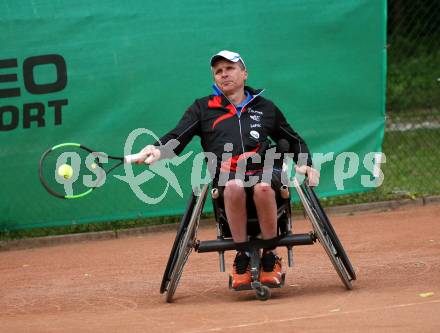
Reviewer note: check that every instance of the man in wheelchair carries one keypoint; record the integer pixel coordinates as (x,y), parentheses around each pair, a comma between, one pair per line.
(244,206)
(235,124)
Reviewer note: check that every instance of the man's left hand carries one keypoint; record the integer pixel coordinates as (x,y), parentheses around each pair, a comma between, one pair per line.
(312,174)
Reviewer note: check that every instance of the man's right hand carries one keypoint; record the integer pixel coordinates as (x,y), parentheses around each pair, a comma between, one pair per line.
(149,155)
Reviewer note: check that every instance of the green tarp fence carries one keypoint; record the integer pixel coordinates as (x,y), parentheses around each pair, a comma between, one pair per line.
(94,71)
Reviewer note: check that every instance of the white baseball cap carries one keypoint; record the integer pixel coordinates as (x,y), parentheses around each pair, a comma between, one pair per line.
(228,55)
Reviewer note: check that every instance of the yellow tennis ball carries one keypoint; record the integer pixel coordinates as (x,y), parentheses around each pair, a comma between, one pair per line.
(65,170)
(94,165)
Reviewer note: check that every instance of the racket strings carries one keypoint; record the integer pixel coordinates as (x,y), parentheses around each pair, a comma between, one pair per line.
(71,171)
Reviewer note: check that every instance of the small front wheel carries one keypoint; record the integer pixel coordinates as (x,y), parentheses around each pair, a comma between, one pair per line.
(263,293)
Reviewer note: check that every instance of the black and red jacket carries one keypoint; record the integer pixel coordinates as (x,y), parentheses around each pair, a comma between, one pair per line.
(214,119)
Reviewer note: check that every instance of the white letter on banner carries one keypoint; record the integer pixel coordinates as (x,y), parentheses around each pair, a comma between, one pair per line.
(225,164)
(253,180)
(319,159)
(302,160)
(75,162)
(196,172)
(374,168)
(339,174)
(100,173)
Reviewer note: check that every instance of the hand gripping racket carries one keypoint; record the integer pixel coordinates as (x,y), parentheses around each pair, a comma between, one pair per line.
(72,171)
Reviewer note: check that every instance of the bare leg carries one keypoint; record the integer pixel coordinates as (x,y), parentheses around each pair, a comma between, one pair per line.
(235,206)
(264,198)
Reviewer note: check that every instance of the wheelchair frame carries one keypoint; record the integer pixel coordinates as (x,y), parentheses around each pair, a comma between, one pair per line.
(186,241)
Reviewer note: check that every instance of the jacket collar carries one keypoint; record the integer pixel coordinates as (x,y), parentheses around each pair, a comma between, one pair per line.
(225,101)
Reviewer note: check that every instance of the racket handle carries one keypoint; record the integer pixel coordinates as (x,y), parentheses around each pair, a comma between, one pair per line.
(133,158)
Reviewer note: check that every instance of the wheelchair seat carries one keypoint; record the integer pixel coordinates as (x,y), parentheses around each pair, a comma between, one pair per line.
(253,227)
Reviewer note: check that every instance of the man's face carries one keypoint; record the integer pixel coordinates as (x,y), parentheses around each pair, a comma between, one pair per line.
(229,76)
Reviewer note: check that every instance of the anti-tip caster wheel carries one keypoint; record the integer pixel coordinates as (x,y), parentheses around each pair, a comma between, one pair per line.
(263,293)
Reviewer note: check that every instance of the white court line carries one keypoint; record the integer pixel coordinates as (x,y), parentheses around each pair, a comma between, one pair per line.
(396,306)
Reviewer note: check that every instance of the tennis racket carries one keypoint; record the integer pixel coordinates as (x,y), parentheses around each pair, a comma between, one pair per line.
(72,171)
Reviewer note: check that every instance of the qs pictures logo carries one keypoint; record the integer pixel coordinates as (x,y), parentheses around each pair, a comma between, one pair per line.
(161,168)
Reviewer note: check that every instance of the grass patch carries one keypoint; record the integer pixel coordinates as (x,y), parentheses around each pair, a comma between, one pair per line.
(413,78)
(412,162)
(410,171)
(414,116)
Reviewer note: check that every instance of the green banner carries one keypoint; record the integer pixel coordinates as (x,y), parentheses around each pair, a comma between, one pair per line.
(92,72)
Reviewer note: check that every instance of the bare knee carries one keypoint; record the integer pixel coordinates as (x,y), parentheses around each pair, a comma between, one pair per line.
(263,191)
(234,189)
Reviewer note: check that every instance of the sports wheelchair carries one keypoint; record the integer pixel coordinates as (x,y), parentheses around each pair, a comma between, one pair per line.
(186,237)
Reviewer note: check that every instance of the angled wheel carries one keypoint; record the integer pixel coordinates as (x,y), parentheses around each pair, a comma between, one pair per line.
(329,228)
(177,241)
(184,244)
(326,237)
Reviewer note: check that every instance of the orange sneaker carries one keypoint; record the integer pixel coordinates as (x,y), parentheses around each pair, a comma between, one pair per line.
(241,274)
(271,274)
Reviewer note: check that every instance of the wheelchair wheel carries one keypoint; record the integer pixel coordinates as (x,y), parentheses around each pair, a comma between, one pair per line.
(323,233)
(176,245)
(184,244)
(329,228)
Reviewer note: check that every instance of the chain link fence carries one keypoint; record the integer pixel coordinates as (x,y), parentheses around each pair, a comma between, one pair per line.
(412,137)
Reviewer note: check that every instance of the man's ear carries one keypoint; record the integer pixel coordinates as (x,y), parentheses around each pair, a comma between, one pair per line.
(245,75)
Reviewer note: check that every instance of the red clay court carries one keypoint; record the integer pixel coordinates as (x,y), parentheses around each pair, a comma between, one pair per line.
(113,285)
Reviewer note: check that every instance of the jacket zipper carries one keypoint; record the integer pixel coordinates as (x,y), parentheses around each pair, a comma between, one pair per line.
(241,134)
(239,122)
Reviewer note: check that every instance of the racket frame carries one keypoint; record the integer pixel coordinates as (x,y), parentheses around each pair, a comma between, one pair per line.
(76,145)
